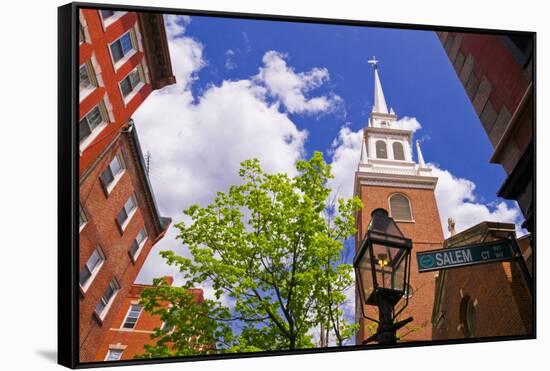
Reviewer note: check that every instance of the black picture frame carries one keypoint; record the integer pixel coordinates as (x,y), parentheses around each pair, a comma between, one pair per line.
(68,185)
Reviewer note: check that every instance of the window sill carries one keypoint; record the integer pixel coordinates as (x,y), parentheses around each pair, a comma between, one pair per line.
(124,225)
(134,92)
(109,188)
(123,60)
(86,142)
(84,288)
(101,317)
(83,94)
(135,257)
(109,21)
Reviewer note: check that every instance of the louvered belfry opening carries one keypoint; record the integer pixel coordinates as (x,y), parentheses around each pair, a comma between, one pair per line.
(398,153)
(400,207)
(381,150)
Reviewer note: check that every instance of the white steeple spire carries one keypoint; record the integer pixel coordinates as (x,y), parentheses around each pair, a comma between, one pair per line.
(379,100)
(421,163)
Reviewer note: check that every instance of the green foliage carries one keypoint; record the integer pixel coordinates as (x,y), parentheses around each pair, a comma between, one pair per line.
(272,245)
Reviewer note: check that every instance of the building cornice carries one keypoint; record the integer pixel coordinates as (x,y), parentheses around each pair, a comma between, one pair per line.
(395,180)
(388,131)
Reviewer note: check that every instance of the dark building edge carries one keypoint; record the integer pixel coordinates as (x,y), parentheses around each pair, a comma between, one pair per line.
(67,184)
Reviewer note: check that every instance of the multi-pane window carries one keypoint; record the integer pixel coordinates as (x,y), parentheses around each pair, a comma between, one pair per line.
(130,82)
(114,355)
(87,80)
(107,298)
(89,123)
(91,267)
(132,317)
(129,207)
(400,207)
(138,243)
(82,219)
(115,168)
(122,47)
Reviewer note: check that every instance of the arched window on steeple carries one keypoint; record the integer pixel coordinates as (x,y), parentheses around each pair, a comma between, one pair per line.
(398,153)
(381,150)
(400,207)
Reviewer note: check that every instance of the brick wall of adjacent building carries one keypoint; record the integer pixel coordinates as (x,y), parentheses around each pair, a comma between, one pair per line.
(132,341)
(501,299)
(426,234)
(102,230)
(150,53)
(497,72)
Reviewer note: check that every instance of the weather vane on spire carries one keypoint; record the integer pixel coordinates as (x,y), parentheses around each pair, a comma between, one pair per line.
(374,62)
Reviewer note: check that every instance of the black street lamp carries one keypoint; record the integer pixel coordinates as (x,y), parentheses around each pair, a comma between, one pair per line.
(382,269)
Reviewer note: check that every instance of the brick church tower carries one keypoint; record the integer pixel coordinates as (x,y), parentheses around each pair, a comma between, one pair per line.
(388,177)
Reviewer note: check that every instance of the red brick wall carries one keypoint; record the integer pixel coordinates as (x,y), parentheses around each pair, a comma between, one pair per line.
(502,302)
(102,229)
(133,340)
(426,234)
(98,45)
(495,82)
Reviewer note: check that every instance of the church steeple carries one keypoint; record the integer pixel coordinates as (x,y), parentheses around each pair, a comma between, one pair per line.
(379,100)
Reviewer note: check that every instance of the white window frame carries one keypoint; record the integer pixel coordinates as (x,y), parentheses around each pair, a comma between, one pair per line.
(116,178)
(128,314)
(98,129)
(130,214)
(108,305)
(124,59)
(140,245)
(120,351)
(106,22)
(127,99)
(95,272)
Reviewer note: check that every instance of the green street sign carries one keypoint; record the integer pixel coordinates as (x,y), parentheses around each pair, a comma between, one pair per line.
(461,256)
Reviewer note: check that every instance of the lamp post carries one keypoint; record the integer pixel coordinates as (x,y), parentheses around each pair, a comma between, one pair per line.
(382,269)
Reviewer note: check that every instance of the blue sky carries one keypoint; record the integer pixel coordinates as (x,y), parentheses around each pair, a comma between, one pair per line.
(417,77)
(278,91)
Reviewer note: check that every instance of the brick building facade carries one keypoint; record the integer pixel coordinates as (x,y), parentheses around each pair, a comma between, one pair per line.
(484,300)
(389,178)
(123,57)
(132,327)
(119,224)
(497,74)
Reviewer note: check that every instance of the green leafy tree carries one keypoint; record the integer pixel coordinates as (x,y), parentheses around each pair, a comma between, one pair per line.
(268,246)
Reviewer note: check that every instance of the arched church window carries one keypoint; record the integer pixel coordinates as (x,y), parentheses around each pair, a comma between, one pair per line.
(400,207)
(467,316)
(381,150)
(398,153)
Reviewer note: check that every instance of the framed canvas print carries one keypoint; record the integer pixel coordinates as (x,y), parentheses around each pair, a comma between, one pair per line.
(236,185)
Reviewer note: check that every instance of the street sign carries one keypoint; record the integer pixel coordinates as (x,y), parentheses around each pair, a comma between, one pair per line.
(461,256)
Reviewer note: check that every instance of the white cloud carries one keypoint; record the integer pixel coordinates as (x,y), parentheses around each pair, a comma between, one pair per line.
(175,25)
(408,123)
(198,142)
(284,84)
(345,158)
(456,198)
(230,63)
